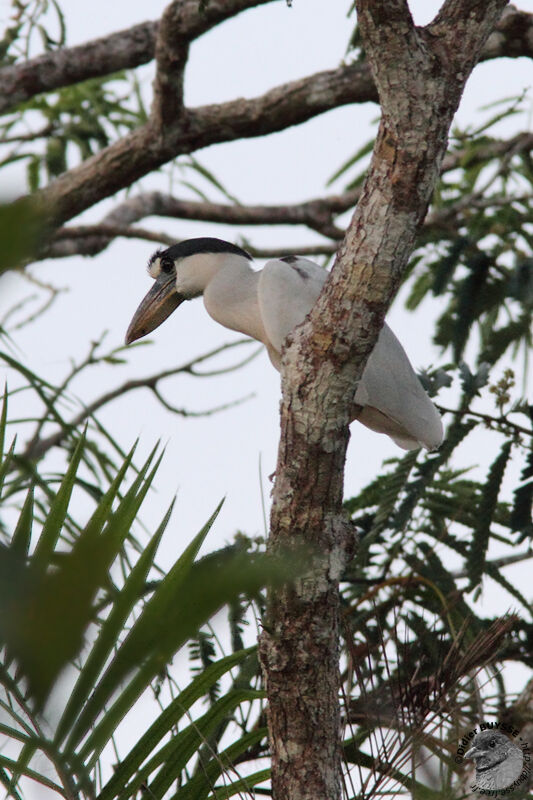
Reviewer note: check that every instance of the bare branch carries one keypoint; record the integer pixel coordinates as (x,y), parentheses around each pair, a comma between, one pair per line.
(142,151)
(503,561)
(522,142)
(29,137)
(183,21)
(92,239)
(208,412)
(37,446)
(171,53)
(512,37)
(316,214)
(282,107)
(453,32)
(502,422)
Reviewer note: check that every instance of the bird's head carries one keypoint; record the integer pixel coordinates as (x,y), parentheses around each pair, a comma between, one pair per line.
(490,748)
(180,272)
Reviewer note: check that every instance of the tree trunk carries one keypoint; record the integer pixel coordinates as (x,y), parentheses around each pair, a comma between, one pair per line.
(420,74)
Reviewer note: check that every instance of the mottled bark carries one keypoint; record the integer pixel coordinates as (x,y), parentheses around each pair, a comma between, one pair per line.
(122,50)
(420,74)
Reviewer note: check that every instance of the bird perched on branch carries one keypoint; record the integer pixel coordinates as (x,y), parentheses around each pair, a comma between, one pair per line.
(267,305)
(498,760)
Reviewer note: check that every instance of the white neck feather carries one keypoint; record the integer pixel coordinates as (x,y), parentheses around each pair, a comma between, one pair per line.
(229,287)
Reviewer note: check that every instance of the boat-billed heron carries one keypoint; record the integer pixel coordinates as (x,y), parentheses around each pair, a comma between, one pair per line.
(267,305)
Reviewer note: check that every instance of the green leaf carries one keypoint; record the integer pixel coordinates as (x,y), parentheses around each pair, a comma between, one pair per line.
(142,646)
(469,293)
(199,787)
(6,782)
(500,340)
(45,611)
(109,634)
(497,576)
(199,687)
(358,155)
(186,743)
(22,231)
(20,543)
(3,422)
(480,540)
(5,459)
(195,165)
(174,614)
(58,511)
(523,500)
(5,464)
(12,766)
(241,787)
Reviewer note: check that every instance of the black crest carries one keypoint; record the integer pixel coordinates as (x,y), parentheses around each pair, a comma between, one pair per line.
(206,244)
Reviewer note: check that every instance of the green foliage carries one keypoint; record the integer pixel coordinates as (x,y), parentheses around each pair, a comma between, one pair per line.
(29,20)
(485,513)
(523,500)
(427,527)
(22,229)
(425,639)
(85,117)
(62,601)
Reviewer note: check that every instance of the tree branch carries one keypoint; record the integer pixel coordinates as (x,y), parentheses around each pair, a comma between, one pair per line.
(92,239)
(512,37)
(318,214)
(125,49)
(183,21)
(142,151)
(89,240)
(501,423)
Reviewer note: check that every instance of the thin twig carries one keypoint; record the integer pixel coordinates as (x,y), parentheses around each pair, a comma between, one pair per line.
(488,418)
(504,561)
(37,447)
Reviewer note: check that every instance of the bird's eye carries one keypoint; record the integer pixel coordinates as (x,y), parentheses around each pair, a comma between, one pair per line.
(167,264)
(492,743)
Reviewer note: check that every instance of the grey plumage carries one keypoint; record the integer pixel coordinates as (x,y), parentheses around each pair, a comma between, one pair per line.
(498,760)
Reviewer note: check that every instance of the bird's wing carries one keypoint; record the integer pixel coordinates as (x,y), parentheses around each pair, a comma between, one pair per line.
(390,385)
(287,292)
(396,402)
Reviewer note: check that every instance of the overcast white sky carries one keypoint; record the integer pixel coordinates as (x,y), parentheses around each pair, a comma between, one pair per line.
(209,458)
